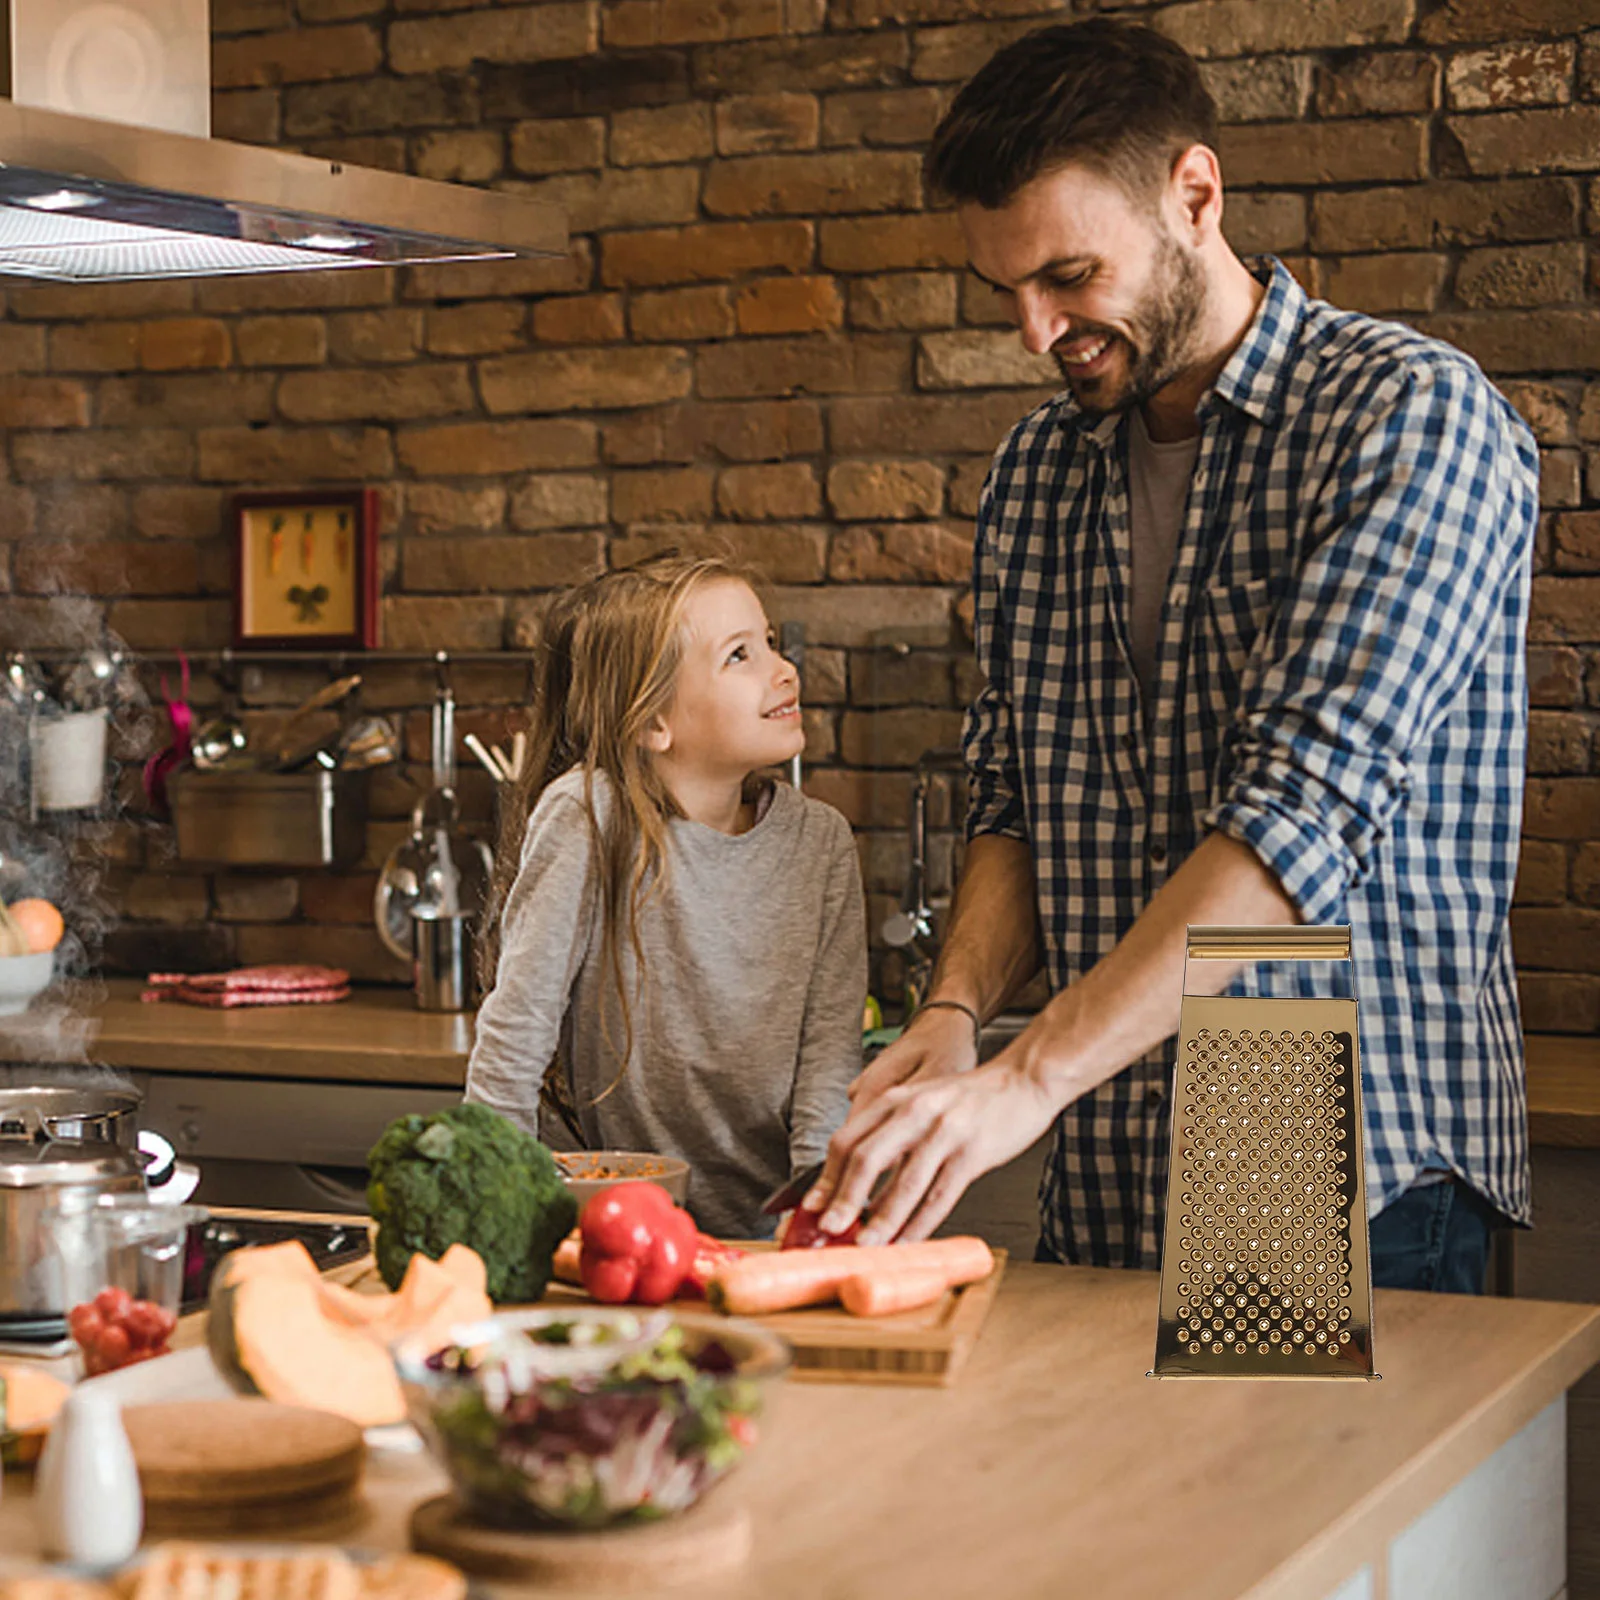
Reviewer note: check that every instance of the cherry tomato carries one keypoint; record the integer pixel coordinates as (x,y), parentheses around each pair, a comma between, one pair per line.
(113,1303)
(112,1346)
(145,1324)
(84,1321)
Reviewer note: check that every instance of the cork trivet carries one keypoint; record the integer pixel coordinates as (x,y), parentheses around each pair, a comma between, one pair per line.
(195,1454)
(709,1538)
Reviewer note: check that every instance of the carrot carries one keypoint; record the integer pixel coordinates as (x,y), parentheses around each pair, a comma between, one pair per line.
(565,1267)
(866,1296)
(782,1280)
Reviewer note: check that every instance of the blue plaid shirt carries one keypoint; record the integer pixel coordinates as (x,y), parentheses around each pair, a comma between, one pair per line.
(1340,686)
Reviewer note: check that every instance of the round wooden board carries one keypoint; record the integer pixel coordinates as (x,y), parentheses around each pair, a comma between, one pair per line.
(707,1539)
(214,1454)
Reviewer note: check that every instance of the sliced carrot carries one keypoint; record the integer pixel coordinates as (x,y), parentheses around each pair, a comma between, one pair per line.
(783,1280)
(866,1296)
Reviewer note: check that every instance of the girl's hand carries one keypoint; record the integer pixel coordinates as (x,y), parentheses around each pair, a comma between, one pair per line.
(937,1044)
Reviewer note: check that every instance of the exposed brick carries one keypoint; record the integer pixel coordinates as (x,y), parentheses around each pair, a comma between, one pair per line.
(1560,938)
(881,116)
(1577,541)
(787,553)
(904,300)
(303,55)
(559,500)
(459,155)
(338,896)
(386,152)
(553,31)
(478,328)
(759,430)
(594,86)
(357,950)
(95,347)
(367,337)
(1589,413)
(903,552)
(980,360)
(966,485)
(22,349)
(103,567)
(429,622)
(170,897)
(250,16)
(501,565)
(622,197)
(1546,408)
(855,181)
(1563,140)
(1261,89)
(1561,808)
(388,394)
(1541,874)
(821,364)
(1218,28)
(769,493)
(182,342)
(102,302)
(1558,1002)
(1512,75)
(1560,477)
(1586,874)
(758,124)
(444,508)
(706,21)
(1385,284)
(1377,83)
(43,403)
(702,312)
(600,379)
(1530,275)
(1558,742)
(241,899)
(1555,677)
(1432,214)
(889,244)
(1524,341)
(1259,222)
(789,305)
(853,616)
(81,511)
(706,252)
(951,55)
(161,624)
(660,136)
(864,491)
(291,455)
(379,105)
(281,341)
(674,494)
(296,291)
(565,144)
(900,677)
(246,116)
(896,738)
(630,24)
(868,799)
(1384,150)
(177,511)
(580,319)
(1467,21)
(875,13)
(492,449)
(103,453)
(927,424)
(831,61)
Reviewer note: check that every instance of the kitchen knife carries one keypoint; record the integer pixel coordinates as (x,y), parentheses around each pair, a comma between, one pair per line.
(793,1192)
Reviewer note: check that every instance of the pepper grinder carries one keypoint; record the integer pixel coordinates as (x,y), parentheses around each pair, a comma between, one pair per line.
(89,1508)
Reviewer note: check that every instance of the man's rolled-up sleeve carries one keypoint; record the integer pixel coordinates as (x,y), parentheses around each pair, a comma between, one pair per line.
(1421,524)
(988,738)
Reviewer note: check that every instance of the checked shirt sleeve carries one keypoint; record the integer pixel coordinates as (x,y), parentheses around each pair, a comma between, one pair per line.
(1421,525)
(988,739)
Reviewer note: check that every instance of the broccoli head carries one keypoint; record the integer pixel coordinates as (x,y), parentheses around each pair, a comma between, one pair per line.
(469,1176)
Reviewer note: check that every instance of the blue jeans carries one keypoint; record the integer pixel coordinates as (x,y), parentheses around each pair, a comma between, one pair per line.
(1436,1237)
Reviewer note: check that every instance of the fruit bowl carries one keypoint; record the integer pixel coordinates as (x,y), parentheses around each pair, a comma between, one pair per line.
(587,1172)
(585,1417)
(22,978)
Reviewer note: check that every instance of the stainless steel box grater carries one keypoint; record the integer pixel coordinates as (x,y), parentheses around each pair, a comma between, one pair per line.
(1264,1266)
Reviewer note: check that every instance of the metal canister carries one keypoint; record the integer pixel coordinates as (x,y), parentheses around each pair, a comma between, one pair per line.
(441,964)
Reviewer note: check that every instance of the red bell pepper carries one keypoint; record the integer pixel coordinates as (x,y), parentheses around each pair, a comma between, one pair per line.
(801,1232)
(638,1245)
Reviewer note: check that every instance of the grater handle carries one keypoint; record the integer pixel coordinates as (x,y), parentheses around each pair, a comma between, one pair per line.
(1269,944)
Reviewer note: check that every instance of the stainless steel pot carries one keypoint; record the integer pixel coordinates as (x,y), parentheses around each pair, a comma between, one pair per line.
(63,1112)
(35,1177)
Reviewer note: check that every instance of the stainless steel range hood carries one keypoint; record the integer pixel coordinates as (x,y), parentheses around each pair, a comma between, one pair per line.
(85,199)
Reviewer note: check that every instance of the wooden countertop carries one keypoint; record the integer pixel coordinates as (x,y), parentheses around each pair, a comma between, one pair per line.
(1054,1458)
(379,1036)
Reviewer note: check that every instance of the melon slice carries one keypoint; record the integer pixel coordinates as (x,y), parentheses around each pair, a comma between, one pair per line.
(29,1401)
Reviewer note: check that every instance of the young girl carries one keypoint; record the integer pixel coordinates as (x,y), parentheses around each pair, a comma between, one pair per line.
(685,939)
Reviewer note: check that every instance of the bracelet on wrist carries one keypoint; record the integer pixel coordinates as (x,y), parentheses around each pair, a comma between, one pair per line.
(952,1005)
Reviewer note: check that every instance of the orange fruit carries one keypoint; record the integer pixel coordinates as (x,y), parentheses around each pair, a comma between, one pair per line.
(40,923)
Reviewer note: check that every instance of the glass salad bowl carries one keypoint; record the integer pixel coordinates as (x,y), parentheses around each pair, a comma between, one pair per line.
(585,1416)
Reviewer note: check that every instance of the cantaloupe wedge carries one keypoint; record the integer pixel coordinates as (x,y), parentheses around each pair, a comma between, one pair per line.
(29,1401)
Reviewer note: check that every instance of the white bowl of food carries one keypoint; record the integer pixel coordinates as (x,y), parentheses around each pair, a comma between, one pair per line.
(23,977)
(589,1171)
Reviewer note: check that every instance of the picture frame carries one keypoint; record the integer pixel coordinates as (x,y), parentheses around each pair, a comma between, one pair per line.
(305,569)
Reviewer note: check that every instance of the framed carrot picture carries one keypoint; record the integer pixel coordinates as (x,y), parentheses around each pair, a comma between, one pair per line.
(305,569)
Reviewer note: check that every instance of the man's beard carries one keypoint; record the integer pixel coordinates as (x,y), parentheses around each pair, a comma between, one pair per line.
(1163,322)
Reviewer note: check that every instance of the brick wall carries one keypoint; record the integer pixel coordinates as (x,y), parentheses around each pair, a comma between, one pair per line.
(761,337)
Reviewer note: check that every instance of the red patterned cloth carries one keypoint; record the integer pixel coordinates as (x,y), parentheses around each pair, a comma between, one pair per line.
(251,986)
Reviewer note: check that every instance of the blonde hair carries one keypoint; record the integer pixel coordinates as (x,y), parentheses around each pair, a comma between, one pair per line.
(605,668)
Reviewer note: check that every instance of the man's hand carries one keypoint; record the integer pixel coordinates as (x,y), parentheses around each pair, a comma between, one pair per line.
(936,1044)
(942,1132)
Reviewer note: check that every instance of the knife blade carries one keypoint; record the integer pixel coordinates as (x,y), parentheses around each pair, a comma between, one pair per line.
(789,1195)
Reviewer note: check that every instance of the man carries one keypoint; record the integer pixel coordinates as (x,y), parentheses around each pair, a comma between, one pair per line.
(1251,602)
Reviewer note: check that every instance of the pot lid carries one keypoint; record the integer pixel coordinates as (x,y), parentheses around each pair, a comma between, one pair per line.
(25,1164)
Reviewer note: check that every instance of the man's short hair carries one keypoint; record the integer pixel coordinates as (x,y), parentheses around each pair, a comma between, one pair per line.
(1118,98)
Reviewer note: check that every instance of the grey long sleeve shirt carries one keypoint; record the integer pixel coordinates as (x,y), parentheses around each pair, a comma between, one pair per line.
(747,1027)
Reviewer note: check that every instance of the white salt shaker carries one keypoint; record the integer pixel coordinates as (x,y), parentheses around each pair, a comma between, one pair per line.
(87,1498)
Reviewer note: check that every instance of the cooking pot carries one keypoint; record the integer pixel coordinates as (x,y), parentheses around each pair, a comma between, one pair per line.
(63,1112)
(35,1178)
